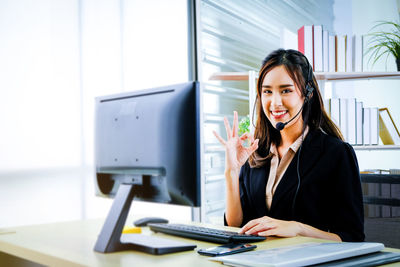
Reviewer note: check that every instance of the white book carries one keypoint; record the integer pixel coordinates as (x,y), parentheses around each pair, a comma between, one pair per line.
(344,118)
(327,108)
(359,123)
(374,126)
(367,126)
(349,54)
(332,53)
(318,48)
(334,108)
(351,121)
(358,53)
(300,254)
(325,48)
(341,53)
(308,43)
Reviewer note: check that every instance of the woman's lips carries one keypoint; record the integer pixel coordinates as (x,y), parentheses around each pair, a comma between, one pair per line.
(278,114)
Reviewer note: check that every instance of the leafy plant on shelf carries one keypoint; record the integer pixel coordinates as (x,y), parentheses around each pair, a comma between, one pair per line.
(385,42)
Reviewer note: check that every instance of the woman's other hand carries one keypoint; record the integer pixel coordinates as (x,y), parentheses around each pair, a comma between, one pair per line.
(267,226)
(235,153)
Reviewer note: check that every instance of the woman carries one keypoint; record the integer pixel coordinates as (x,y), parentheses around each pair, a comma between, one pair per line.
(297,177)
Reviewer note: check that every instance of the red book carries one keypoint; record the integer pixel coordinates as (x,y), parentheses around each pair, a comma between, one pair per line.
(300,40)
(305,42)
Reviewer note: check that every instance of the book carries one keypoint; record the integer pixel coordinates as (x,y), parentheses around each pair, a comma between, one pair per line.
(318,49)
(305,42)
(341,53)
(336,53)
(344,118)
(349,54)
(327,108)
(366,126)
(325,48)
(300,254)
(374,126)
(359,123)
(394,171)
(332,53)
(334,108)
(358,53)
(388,131)
(351,121)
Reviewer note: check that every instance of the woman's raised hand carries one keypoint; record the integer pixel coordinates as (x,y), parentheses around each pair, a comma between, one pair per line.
(235,153)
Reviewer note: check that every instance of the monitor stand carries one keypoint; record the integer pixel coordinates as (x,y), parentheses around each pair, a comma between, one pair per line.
(109,239)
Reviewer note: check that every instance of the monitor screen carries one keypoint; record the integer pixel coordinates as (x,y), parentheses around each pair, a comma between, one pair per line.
(147,147)
(150,135)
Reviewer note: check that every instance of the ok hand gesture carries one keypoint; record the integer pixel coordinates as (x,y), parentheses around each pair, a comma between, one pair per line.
(235,153)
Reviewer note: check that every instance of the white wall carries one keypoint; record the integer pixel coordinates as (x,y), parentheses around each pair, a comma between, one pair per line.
(40,112)
(358,18)
(39,81)
(55,57)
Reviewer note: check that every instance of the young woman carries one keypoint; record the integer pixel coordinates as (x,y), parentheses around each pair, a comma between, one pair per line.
(297,177)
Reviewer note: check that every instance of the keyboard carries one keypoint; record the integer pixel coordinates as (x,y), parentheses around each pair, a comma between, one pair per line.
(203,233)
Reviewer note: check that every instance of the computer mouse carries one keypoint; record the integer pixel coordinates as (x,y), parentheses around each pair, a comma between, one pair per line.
(146,220)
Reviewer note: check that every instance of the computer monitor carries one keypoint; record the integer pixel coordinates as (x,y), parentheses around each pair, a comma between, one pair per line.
(147,147)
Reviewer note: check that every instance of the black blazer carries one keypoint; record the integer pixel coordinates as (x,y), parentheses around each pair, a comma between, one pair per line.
(329,197)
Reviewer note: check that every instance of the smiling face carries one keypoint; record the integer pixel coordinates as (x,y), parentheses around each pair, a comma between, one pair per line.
(281,99)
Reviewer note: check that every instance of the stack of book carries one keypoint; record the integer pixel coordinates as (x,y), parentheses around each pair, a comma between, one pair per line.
(359,125)
(362,125)
(328,52)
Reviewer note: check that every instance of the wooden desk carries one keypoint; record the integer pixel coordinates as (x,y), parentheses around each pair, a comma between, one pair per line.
(71,244)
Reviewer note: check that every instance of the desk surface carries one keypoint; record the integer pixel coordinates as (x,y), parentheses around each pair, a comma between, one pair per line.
(71,244)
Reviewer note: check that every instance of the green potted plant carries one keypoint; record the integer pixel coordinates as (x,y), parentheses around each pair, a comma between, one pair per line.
(385,42)
(244,125)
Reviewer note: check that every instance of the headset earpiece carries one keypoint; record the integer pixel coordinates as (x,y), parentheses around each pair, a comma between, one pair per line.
(309,81)
(309,90)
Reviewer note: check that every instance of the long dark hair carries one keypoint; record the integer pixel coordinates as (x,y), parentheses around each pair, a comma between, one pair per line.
(314,115)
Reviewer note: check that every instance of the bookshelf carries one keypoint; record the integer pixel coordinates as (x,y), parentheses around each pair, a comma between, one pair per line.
(327,76)
(337,76)
(321,76)
(377,147)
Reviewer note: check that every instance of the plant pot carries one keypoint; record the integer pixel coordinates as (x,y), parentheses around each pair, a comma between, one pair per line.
(398,64)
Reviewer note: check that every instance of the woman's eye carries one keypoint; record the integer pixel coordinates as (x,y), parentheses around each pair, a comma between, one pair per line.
(266,91)
(286,91)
